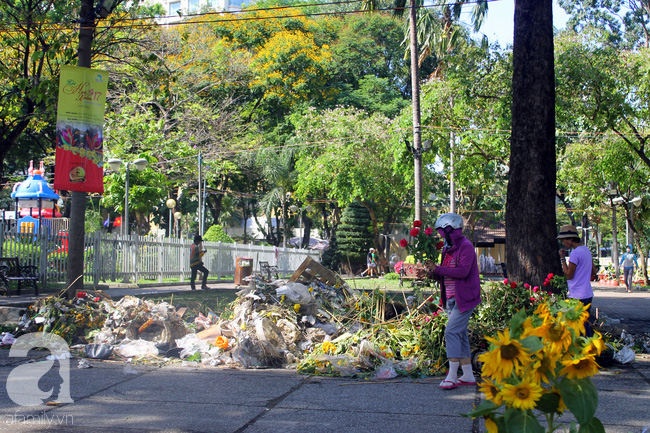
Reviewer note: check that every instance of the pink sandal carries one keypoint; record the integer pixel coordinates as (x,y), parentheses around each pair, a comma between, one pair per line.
(462,382)
(451,385)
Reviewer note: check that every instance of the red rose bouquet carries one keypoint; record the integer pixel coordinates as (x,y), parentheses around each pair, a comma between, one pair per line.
(424,244)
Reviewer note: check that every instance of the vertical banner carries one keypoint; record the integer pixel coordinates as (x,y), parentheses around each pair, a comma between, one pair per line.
(79,130)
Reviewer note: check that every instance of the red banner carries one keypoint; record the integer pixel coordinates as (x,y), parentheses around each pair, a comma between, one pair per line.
(79,130)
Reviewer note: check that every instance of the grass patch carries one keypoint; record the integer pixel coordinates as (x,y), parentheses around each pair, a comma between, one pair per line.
(198,301)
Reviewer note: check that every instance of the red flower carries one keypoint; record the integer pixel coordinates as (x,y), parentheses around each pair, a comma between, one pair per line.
(81,295)
(97,299)
(415,232)
(527,286)
(535,289)
(545,284)
(403,243)
(532,299)
(417,223)
(440,244)
(550,276)
(513,285)
(505,281)
(428,231)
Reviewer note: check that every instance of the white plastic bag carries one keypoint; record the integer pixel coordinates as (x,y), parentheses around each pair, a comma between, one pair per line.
(296,293)
(191,344)
(132,348)
(625,355)
(386,371)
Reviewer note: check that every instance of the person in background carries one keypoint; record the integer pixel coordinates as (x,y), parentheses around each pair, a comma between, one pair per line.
(371,261)
(578,271)
(196,263)
(460,294)
(629,263)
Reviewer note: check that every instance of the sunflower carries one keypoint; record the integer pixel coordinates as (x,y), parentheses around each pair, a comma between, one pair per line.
(558,337)
(579,368)
(491,390)
(538,327)
(490,425)
(501,361)
(575,317)
(522,396)
(543,311)
(543,368)
(594,345)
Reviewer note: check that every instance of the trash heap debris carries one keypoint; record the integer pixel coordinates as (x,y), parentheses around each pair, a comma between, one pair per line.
(71,320)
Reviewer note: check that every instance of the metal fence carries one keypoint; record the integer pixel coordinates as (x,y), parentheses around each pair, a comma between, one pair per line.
(120,258)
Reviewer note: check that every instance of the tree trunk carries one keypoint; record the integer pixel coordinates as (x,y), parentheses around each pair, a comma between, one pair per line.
(531,249)
(76,234)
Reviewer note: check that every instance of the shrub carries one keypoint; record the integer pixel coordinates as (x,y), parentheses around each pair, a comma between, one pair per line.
(217,234)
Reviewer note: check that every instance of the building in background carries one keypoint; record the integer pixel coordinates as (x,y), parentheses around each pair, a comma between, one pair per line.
(176,9)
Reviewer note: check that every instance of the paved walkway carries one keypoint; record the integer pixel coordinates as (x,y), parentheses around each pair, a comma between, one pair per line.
(120,397)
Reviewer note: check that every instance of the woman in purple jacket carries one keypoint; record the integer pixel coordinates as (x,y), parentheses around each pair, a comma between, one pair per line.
(460,294)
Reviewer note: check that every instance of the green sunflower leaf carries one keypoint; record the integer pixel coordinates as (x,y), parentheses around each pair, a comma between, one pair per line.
(581,397)
(593,426)
(517,324)
(548,403)
(532,344)
(486,407)
(520,421)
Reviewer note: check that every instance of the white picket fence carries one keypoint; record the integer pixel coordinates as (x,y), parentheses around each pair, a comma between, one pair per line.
(120,258)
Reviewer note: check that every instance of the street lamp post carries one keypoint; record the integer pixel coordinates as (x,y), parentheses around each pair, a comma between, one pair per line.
(177,216)
(140,165)
(295,209)
(171,204)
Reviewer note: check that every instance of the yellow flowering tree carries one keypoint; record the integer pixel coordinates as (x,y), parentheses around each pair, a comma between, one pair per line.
(541,366)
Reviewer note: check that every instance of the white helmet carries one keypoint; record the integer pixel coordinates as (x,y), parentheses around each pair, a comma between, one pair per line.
(452,220)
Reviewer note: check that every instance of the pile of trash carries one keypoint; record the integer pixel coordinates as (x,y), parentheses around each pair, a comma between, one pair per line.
(68,319)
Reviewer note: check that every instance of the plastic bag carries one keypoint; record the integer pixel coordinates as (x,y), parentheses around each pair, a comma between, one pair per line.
(8,339)
(386,371)
(407,365)
(625,355)
(296,293)
(191,344)
(98,351)
(132,348)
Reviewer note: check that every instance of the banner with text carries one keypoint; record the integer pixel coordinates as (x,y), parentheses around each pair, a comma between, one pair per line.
(79,130)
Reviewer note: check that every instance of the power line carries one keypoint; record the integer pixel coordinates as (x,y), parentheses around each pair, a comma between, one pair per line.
(72,24)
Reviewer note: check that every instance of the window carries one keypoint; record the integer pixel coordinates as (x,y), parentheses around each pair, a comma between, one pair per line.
(193,6)
(174,7)
(213,4)
(236,3)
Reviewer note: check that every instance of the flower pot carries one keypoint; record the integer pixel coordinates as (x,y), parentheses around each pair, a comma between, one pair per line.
(615,283)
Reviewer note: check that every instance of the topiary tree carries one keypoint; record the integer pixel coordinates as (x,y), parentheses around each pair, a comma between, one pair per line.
(354,236)
(216,234)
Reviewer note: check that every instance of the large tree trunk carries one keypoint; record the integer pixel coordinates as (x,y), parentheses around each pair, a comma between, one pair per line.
(76,233)
(531,249)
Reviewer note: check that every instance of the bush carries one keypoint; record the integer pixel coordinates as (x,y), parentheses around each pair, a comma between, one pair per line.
(217,234)
(354,237)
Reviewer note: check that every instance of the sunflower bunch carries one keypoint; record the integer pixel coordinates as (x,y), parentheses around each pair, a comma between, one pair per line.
(541,365)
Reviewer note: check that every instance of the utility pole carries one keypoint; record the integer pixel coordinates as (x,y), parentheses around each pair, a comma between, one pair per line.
(200,198)
(415,98)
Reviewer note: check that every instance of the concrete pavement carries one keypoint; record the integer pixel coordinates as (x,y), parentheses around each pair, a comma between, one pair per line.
(111,397)
(115,396)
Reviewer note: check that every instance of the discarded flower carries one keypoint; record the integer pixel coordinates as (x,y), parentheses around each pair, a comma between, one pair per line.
(221,342)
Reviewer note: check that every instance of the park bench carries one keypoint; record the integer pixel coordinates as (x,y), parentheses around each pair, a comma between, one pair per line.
(414,272)
(267,269)
(11,270)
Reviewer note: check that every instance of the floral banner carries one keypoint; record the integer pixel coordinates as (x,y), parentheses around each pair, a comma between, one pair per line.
(79,130)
